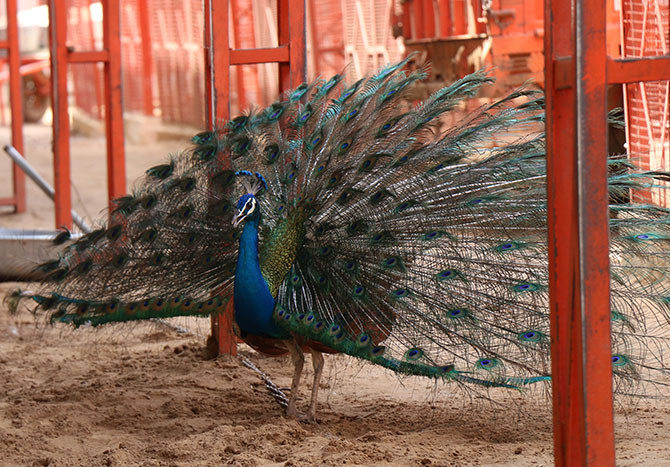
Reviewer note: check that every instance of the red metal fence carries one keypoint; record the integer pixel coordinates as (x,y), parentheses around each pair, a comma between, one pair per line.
(163,60)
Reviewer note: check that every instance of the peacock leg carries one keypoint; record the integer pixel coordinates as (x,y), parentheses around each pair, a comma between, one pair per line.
(318,364)
(298,358)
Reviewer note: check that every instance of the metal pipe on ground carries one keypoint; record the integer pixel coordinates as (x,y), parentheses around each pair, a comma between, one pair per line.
(43,184)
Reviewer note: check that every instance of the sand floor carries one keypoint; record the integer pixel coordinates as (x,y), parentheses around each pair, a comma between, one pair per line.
(148,395)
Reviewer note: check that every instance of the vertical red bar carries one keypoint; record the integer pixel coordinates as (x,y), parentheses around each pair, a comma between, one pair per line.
(578,234)
(291,30)
(97,79)
(446,28)
(428,19)
(217,75)
(209,71)
(147,58)
(61,122)
(116,165)
(217,60)
(297,42)
(591,79)
(282,39)
(237,14)
(15,84)
(313,24)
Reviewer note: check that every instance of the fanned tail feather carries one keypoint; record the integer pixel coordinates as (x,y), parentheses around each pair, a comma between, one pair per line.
(419,249)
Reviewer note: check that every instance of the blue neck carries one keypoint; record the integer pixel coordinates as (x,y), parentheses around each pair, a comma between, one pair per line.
(254,303)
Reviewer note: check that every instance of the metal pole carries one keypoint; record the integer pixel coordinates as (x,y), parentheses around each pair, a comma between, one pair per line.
(593,216)
(116,164)
(16,101)
(217,76)
(147,58)
(23,164)
(61,119)
(575,64)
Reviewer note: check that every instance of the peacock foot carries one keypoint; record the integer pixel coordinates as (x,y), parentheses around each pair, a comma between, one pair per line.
(300,417)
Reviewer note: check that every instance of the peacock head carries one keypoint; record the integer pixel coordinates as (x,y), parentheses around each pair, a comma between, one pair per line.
(247,206)
(247,209)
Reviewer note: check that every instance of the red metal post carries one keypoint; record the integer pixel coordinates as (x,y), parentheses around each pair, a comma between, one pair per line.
(217,61)
(283,38)
(238,16)
(116,166)
(16,103)
(61,121)
(297,44)
(591,87)
(575,64)
(96,71)
(239,71)
(147,58)
(313,24)
(217,85)
(291,31)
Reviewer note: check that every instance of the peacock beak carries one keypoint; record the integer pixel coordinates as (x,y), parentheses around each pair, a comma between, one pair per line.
(237,218)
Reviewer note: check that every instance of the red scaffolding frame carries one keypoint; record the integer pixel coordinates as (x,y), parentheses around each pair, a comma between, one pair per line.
(61,56)
(18,200)
(219,57)
(577,71)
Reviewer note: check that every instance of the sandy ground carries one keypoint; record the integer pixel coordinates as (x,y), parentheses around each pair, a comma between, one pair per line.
(147,395)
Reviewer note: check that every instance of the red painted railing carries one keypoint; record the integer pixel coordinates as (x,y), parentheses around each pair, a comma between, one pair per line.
(18,200)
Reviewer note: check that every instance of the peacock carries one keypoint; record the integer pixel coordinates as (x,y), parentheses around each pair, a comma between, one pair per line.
(345,218)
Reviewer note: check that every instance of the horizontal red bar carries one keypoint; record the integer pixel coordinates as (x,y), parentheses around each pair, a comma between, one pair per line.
(253,56)
(4,44)
(88,56)
(627,70)
(438,40)
(8,201)
(27,69)
(632,70)
(334,48)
